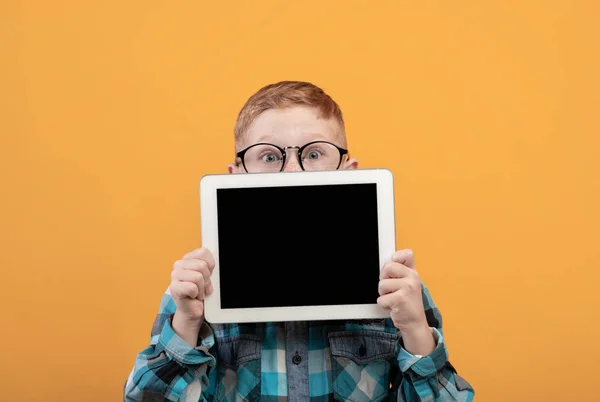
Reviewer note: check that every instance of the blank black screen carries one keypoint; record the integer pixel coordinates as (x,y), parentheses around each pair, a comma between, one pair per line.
(298,246)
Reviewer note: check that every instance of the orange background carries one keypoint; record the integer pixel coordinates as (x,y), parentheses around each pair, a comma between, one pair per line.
(486,112)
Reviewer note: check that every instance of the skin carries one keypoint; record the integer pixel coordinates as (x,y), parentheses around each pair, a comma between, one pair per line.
(399,285)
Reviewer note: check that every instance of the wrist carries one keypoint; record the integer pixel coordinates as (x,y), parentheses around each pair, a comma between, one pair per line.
(418,340)
(188,321)
(416,330)
(187,328)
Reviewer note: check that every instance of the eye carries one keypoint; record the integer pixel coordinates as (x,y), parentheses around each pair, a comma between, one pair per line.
(270,158)
(313,155)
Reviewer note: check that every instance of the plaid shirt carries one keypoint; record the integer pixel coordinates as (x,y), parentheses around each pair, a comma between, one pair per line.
(360,360)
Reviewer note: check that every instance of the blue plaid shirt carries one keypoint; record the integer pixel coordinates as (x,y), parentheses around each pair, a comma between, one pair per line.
(360,360)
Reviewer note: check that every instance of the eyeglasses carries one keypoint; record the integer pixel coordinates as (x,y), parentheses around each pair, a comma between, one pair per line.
(269,158)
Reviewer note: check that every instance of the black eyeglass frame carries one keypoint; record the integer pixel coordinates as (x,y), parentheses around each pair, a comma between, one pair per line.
(341,150)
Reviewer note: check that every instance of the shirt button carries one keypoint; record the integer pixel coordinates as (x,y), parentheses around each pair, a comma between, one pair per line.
(362,351)
(296,359)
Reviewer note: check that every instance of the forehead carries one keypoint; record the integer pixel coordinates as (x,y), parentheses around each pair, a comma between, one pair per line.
(292,126)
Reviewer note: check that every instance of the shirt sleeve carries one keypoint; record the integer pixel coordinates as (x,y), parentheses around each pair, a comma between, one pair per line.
(170,369)
(431,378)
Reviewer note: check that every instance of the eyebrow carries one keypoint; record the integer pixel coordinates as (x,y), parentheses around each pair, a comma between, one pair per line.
(273,137)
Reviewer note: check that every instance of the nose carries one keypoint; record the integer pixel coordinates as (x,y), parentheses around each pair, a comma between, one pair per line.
(292,164)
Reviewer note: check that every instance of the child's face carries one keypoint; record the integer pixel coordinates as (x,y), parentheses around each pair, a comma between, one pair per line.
(292,127)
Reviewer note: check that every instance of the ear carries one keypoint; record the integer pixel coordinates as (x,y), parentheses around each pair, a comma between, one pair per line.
(351,163)
(233,169)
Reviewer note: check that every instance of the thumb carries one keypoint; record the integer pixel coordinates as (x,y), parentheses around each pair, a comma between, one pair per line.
(405,257)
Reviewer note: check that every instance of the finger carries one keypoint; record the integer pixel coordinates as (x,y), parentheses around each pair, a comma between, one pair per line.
(182,290)
(201,290)
(389,285)
(193,265)
(201,254)
(193,271)
(405,257)
(394,270)
(386,301)
(186,275)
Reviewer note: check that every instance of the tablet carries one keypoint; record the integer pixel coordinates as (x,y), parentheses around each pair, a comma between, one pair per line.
(295,246)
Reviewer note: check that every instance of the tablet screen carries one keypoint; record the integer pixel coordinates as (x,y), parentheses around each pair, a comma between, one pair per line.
(298,246)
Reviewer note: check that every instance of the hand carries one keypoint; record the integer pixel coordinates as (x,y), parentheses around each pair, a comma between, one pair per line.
(190,281)
(400,292)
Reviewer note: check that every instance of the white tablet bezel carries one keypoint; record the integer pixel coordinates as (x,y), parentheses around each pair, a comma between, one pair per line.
(209,184)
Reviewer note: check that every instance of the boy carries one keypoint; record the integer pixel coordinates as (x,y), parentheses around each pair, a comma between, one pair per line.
(402,358)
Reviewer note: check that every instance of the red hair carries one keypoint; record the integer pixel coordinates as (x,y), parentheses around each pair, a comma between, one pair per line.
(286,94)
